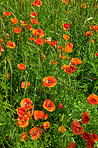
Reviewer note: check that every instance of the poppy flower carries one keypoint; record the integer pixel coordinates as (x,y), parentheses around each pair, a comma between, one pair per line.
(52,43)
(28,27)
(14,20)
(90,143)
(86,136)
(10,44)
(33,14)
(65,1)
(31,38)
(95,28)
(21,66)
(68,49)
(71,145)
(70,45)
(85,118)
(17,30)
(23,23)
(66,26)
(60,105)
(76,61)
(83,5)
(90,27)
(42,56)
(45,116)
(88,33)
(76,127)
(7,14)
(1,40)
(21,111)
(69,58)
(34,21)
(49,105)
(34,31)
(25,85)
(62,129)
(7,75)
(62,57)
(23,121)
(49,81)
(26,103)
(35,133)
(92,41)
(53,62)
(92,99)
(23,137)
(60,48)
(66,37)
(1,50)
(38,114)
(37,3)
(39,41)
(46,125)
(94,137)
(96,54)
(40,32)
(69,68)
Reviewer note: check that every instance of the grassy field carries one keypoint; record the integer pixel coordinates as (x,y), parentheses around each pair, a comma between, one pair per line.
(49,74)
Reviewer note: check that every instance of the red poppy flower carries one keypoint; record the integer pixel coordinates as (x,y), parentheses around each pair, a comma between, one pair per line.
(92,99)
(45,116)
(38,114)
(28,27)
(21,66)
(71,145)
(17,30)
(33,14)
(37,3)
(39,41)
(88,33)
(40,32)
(7,75)
(46,125)
(26,103)
(49,81)
(86,136)
(10,44)
(49,105)
(66,26)
(25,85)
(34,21)
(35,132)
(95,28)
(60,105)
(23,137)
(90,143)
(76,61)
(62,129)
(66,37)
(85,118)
(76,127)
(23,121)
(65,1)
(14,20)
(90,27)
(96,54)
(7,14)
(94,137)
(69,68)
(21,111)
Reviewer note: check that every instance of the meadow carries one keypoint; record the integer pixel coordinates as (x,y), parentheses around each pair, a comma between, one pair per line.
(49,74)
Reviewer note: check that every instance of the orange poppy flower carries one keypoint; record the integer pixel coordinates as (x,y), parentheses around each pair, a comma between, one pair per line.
(66,37)
(38,114)
(66,26)
(60,105)
(34,21)
(65,1)
(33,14)
(39,41)
(49,81)
(94,137)
(23,121)
(92,41)
(95,28)
(40,32)
(76,127)
(10,44)
(23,137)
(90,27)
(7,75)
(21,66)
(68,49)
(60,48)
(21,111)
(88,33)
(49,105)
(25,85)
(83,5)
(7,14)
(14,20)
(69,68)
(30,114)
(96,54)
(45,116)
(69,58)
(86,136)
(76,61)
(70,45)
(35,132)
(17,30)
(85,118)
(71,145)
(90,143)
(28,27)
(62,129)
(1,40)
(26,103)
(46,125)
(37,3)
(92,99)
(62,57)
(54,62)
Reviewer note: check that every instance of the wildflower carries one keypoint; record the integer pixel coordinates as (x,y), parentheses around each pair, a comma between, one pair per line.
(46,125)
(14,20)
(90,27)
(52,43)
(62,57)
(71,145)
(37,3)
(1,40)
(70,45)
(10,44)
(76,61)
(7,75)
(86,136)
(17,30)
(76,127)
(69,68)
(83,5)
(33,14)
(21,111)
(23,121)
(49,105)
(94,137)
(96,54)
(66,26)
(26,103)
(31,38)
(39,41)
(92,41)
(45,116)
(95,28)
(23,23)
(38,114)
(60,48)
(65,1)
(25,85)
(40,32)
(69,58)
(42,56)
(23,137)
(60,105)
(90,143)
(34,21)
(68,49)
(28,27)
(92,99)
(85,118)
(88,33)
(66,37)
(7,14)
(21,66)
(62,129)
(53,62)
(35,133)
(49,81)
(1,50)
